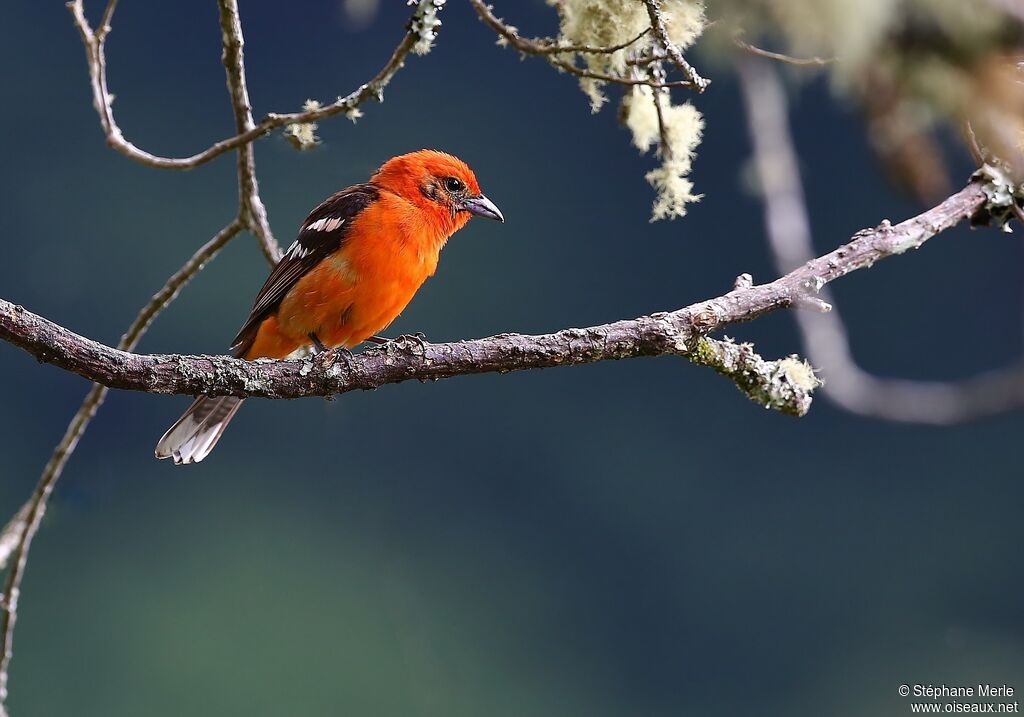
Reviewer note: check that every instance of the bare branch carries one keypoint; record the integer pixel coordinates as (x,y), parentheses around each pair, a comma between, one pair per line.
(253,213)
(977,154)
(614,79)
(95,56)
(824,336)
(665,145)
(780,57)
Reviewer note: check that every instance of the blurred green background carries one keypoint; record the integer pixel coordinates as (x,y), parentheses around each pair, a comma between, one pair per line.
(629,538)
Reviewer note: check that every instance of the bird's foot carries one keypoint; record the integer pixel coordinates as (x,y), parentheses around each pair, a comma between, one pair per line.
(327,357)
(318,345)
(418,338)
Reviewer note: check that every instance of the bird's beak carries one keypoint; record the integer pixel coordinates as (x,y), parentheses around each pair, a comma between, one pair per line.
(483,207)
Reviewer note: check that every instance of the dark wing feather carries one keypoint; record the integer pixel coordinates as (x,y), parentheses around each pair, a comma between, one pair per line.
(322,234)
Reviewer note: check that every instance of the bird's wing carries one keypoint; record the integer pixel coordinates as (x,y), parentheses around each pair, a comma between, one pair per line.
(322,234)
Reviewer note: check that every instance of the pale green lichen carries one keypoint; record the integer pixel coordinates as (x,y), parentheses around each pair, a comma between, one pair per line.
(425,24)
(627,23)
(675,138)
(1003,194)
(785,385)
(997,185)
(302,135)
(799,373)
(608,23)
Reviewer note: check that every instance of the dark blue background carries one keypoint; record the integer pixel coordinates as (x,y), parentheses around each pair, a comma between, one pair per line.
(629,538)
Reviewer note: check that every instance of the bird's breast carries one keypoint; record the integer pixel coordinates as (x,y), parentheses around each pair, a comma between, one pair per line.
(389,251)
(393,242)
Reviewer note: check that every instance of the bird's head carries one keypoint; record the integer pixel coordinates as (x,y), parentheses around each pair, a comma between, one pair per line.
(438,183)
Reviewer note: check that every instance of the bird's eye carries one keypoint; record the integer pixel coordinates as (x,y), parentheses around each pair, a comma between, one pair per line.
(453,184)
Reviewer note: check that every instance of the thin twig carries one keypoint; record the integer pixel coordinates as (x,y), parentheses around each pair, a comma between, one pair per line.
(252,211)
(973,146)
(17,536)
(615,79)
(780,57)
(539,45)
(108,14)
(665,148)
(548,48)
(646,58)
(670,48)
(824,335)
(94,51)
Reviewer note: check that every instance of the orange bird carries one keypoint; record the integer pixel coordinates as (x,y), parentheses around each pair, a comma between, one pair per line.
(359,259)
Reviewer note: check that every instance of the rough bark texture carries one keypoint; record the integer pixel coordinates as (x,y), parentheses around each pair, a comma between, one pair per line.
(678,333)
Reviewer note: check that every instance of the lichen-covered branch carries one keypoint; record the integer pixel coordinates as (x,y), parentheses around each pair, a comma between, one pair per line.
(672,51)
(635,46)
(675,333)
(671,333)
(561,54)
(784,385)
(825,338)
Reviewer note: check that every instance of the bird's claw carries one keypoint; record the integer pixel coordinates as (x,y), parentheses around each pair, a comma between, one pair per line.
(418,338)
(328,357)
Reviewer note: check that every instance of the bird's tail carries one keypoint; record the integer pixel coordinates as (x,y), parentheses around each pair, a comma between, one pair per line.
(195,434)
